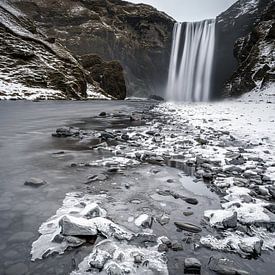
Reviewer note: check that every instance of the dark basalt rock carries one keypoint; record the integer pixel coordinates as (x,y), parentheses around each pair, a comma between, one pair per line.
(29,59)
(188,227)
(225,266)
(138,36)
(244,46)
(109,75)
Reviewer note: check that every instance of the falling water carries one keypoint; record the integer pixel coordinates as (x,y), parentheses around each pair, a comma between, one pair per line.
(191,61)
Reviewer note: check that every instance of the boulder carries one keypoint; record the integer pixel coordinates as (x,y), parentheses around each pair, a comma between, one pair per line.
(192,266)
(225,266)
(71,226)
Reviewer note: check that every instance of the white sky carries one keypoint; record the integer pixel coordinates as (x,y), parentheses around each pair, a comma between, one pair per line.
(189,10)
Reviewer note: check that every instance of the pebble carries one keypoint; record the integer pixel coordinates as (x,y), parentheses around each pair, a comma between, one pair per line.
(35,182)
(165,240)
(188,213)
(163,220)
(188,227)
(191,200)
(163,248)
(177,246)
(138,258)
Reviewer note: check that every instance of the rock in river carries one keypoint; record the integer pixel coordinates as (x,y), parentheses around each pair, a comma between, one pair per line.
(188,227)
(35,182)
(192,266)
(224,266)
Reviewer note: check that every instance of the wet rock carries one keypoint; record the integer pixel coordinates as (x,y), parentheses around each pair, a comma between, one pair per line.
(107,135)
(144,220)
(163,220)
(163,248)
(113,170)
(236,159)
(188,213)
(252,248)
(191,200)
(176,246)
(72,241)
(114,269)
(192,266)
(188,227)
(35,182)
(93,210)
(125,137)
(262,191)
(98,259)
(99,177)
(66,132)
(225,266)
(221,218)
(271,208)
(102,114)
(201,141)
(207,176)
(271,190)
(156,97)
(155,171)
(231,221)
(165,240)
(155,160)
(232,169)
(150,133)
(138,258)
(250,174)
(73,227)
(143,237)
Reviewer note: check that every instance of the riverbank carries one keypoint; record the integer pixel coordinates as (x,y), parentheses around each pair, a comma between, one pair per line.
(199,174)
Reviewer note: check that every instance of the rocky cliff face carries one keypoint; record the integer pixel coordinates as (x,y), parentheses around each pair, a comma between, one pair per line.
(255,53)
(244,47)
(138,36)
(32,67)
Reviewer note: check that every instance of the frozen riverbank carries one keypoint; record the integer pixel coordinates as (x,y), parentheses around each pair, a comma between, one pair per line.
(201,175)
(227,145)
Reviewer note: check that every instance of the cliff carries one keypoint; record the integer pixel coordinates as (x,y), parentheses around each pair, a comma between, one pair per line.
(138,36)
(31,66)
(244,56)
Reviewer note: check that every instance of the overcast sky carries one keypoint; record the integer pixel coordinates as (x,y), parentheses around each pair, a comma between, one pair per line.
(189,10)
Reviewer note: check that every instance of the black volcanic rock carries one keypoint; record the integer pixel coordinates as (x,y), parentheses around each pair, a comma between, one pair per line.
(237,29)
(256,56)
(138,36)
(109,75)
(29,63)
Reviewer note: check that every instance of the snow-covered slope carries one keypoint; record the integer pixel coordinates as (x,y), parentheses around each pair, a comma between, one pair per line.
(32,67)
(245,36)
(255,53)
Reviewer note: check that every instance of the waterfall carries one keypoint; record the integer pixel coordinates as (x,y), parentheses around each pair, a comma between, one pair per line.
(191,61)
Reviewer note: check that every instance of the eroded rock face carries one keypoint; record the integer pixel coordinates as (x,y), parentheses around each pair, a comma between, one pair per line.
(244,47)
(31,66)
(138,36)
(256,56)
(109,75)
